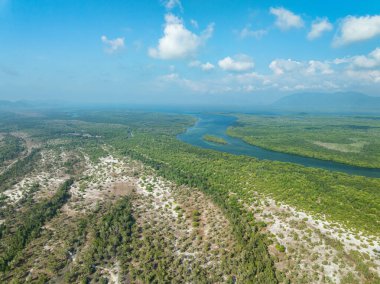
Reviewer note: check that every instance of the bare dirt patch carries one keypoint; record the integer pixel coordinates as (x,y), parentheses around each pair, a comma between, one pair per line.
(354,147)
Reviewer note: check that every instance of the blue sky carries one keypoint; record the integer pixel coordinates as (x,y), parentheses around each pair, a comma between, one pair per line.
(217,51)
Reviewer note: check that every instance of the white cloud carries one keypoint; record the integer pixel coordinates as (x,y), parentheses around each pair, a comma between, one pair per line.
(207,33)
(359,72)
(207,66)
(171,4)
(286,19)
(113,45)
(238,63)
(356,72)
(319,27)
(319,67)
(178,41)
(362,67)
(280,66)
(372,76)
(354,29)
(370,61)
(248,32)
(312,67)
(248,78)
(204,66)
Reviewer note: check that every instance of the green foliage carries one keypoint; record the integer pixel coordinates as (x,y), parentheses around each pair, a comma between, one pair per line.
(111,241)
(198,168)
(229,181)
(196,215)
(350,200)
(280,248)
(10,148)
(345,139)
(18,170)
(215,139)
(28,225)
(3,198)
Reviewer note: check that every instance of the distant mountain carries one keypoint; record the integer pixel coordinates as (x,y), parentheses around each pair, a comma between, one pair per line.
(9,104)
(329,102)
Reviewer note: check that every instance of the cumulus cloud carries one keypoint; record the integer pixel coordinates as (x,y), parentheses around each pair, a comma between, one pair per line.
(319,27)
(372,76)
(113,45)
(288,75)
(286,19)
(360,71)
(280,66)
(362,67)
(312,67)
(237,63)
(355,29)
(171,4)
(177,41)
(248,32)
(315,66)
(372,60)
(313,75)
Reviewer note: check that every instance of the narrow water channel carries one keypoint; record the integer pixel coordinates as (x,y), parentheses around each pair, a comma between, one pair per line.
(217,125)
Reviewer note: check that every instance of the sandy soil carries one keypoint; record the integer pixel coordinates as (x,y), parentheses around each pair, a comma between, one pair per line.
(49,175)
(314,246)
(315,249)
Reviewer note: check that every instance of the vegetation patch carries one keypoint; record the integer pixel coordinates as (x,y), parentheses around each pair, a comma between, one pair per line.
(147,208)
(215,139)
(346,139)
(16,235)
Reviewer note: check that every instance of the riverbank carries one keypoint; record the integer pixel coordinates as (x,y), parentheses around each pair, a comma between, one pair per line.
(217,125)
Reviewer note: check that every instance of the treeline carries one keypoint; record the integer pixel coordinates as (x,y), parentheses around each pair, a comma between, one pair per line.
(18,232)
(349,200)
(252,258)
(110,242)
(10,148)
(18,170)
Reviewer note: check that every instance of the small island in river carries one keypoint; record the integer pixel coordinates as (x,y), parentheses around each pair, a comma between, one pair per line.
(214,139)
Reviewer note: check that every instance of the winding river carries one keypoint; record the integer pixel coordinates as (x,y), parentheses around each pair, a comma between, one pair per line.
(217,125)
